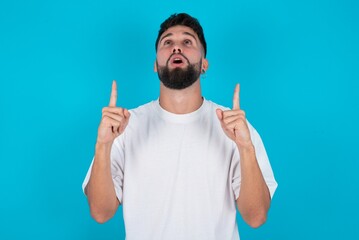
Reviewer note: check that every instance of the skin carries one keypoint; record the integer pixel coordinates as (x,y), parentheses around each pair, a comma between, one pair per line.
(180,39)
(100,189)
(254,198)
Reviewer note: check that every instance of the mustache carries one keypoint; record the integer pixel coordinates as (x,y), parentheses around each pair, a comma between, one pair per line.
(177,54)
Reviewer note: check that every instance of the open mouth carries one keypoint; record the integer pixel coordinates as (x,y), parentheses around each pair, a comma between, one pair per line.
(177,61)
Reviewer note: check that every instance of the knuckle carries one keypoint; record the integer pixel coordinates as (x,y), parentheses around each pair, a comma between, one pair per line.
(116,123)
(104,116)
(228,128)
(226,113)
(117,111)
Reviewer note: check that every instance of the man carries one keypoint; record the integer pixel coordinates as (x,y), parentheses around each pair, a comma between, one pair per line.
(179,165)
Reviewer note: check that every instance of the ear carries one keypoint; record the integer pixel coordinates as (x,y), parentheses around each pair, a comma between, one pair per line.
(155,67)
(205,65)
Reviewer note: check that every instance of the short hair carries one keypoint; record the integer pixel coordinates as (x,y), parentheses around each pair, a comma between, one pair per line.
(185,20)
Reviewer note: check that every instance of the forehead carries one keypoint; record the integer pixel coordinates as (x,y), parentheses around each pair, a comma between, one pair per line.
(179,30)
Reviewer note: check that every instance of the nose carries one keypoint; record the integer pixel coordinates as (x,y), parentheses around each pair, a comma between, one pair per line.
(176,50)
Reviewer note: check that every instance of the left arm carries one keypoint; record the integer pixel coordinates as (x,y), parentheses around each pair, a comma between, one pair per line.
(254,198)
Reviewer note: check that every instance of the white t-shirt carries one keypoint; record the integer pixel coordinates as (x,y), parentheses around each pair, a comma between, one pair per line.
(178,176)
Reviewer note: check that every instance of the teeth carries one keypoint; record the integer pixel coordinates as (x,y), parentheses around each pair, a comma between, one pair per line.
(177,60)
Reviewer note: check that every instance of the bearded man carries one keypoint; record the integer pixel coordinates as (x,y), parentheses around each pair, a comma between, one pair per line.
(180,165)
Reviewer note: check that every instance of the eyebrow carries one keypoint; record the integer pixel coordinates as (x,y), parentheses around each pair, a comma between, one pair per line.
(184,33)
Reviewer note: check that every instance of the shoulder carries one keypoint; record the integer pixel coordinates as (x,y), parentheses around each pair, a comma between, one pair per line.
(142,110)
(212,108)
(213,105)
(142,115)
(139,117)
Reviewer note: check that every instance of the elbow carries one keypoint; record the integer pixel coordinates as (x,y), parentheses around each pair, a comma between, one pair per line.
(100,215)
(256,223)
(256,220)
(255,215)
(100,218)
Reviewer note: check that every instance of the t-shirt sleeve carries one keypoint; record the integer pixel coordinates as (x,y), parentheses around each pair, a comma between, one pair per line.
(263,163)
(117,167)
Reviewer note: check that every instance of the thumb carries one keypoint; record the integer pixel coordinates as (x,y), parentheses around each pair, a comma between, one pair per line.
(126,113)
(219,113)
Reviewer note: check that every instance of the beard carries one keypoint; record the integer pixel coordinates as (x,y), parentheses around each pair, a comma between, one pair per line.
(179,78)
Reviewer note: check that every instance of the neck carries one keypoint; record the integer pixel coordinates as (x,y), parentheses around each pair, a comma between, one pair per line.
(181,101)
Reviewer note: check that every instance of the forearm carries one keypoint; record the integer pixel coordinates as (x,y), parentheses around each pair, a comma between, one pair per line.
(100,189)
(254,198)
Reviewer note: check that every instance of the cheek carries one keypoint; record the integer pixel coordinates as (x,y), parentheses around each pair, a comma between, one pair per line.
(162,58)
(194,58)
(161,61)
(193,55)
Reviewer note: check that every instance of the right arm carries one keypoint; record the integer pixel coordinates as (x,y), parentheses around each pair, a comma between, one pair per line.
(100,189)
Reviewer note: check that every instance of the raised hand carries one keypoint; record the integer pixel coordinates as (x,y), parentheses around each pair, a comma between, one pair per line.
(234,122)
(114,119)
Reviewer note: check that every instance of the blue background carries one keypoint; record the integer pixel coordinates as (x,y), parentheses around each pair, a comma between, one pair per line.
(297,62)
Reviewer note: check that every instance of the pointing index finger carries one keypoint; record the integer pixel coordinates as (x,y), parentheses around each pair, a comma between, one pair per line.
(236,102)
(113,98)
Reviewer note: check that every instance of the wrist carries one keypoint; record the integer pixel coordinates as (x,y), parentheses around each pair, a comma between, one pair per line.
(103,147)
(247,145)
(246,148)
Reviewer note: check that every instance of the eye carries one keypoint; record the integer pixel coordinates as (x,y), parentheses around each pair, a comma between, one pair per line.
(187,42)
(167,42)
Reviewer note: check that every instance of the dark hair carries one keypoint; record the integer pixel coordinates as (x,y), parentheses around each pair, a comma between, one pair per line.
(185,20)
